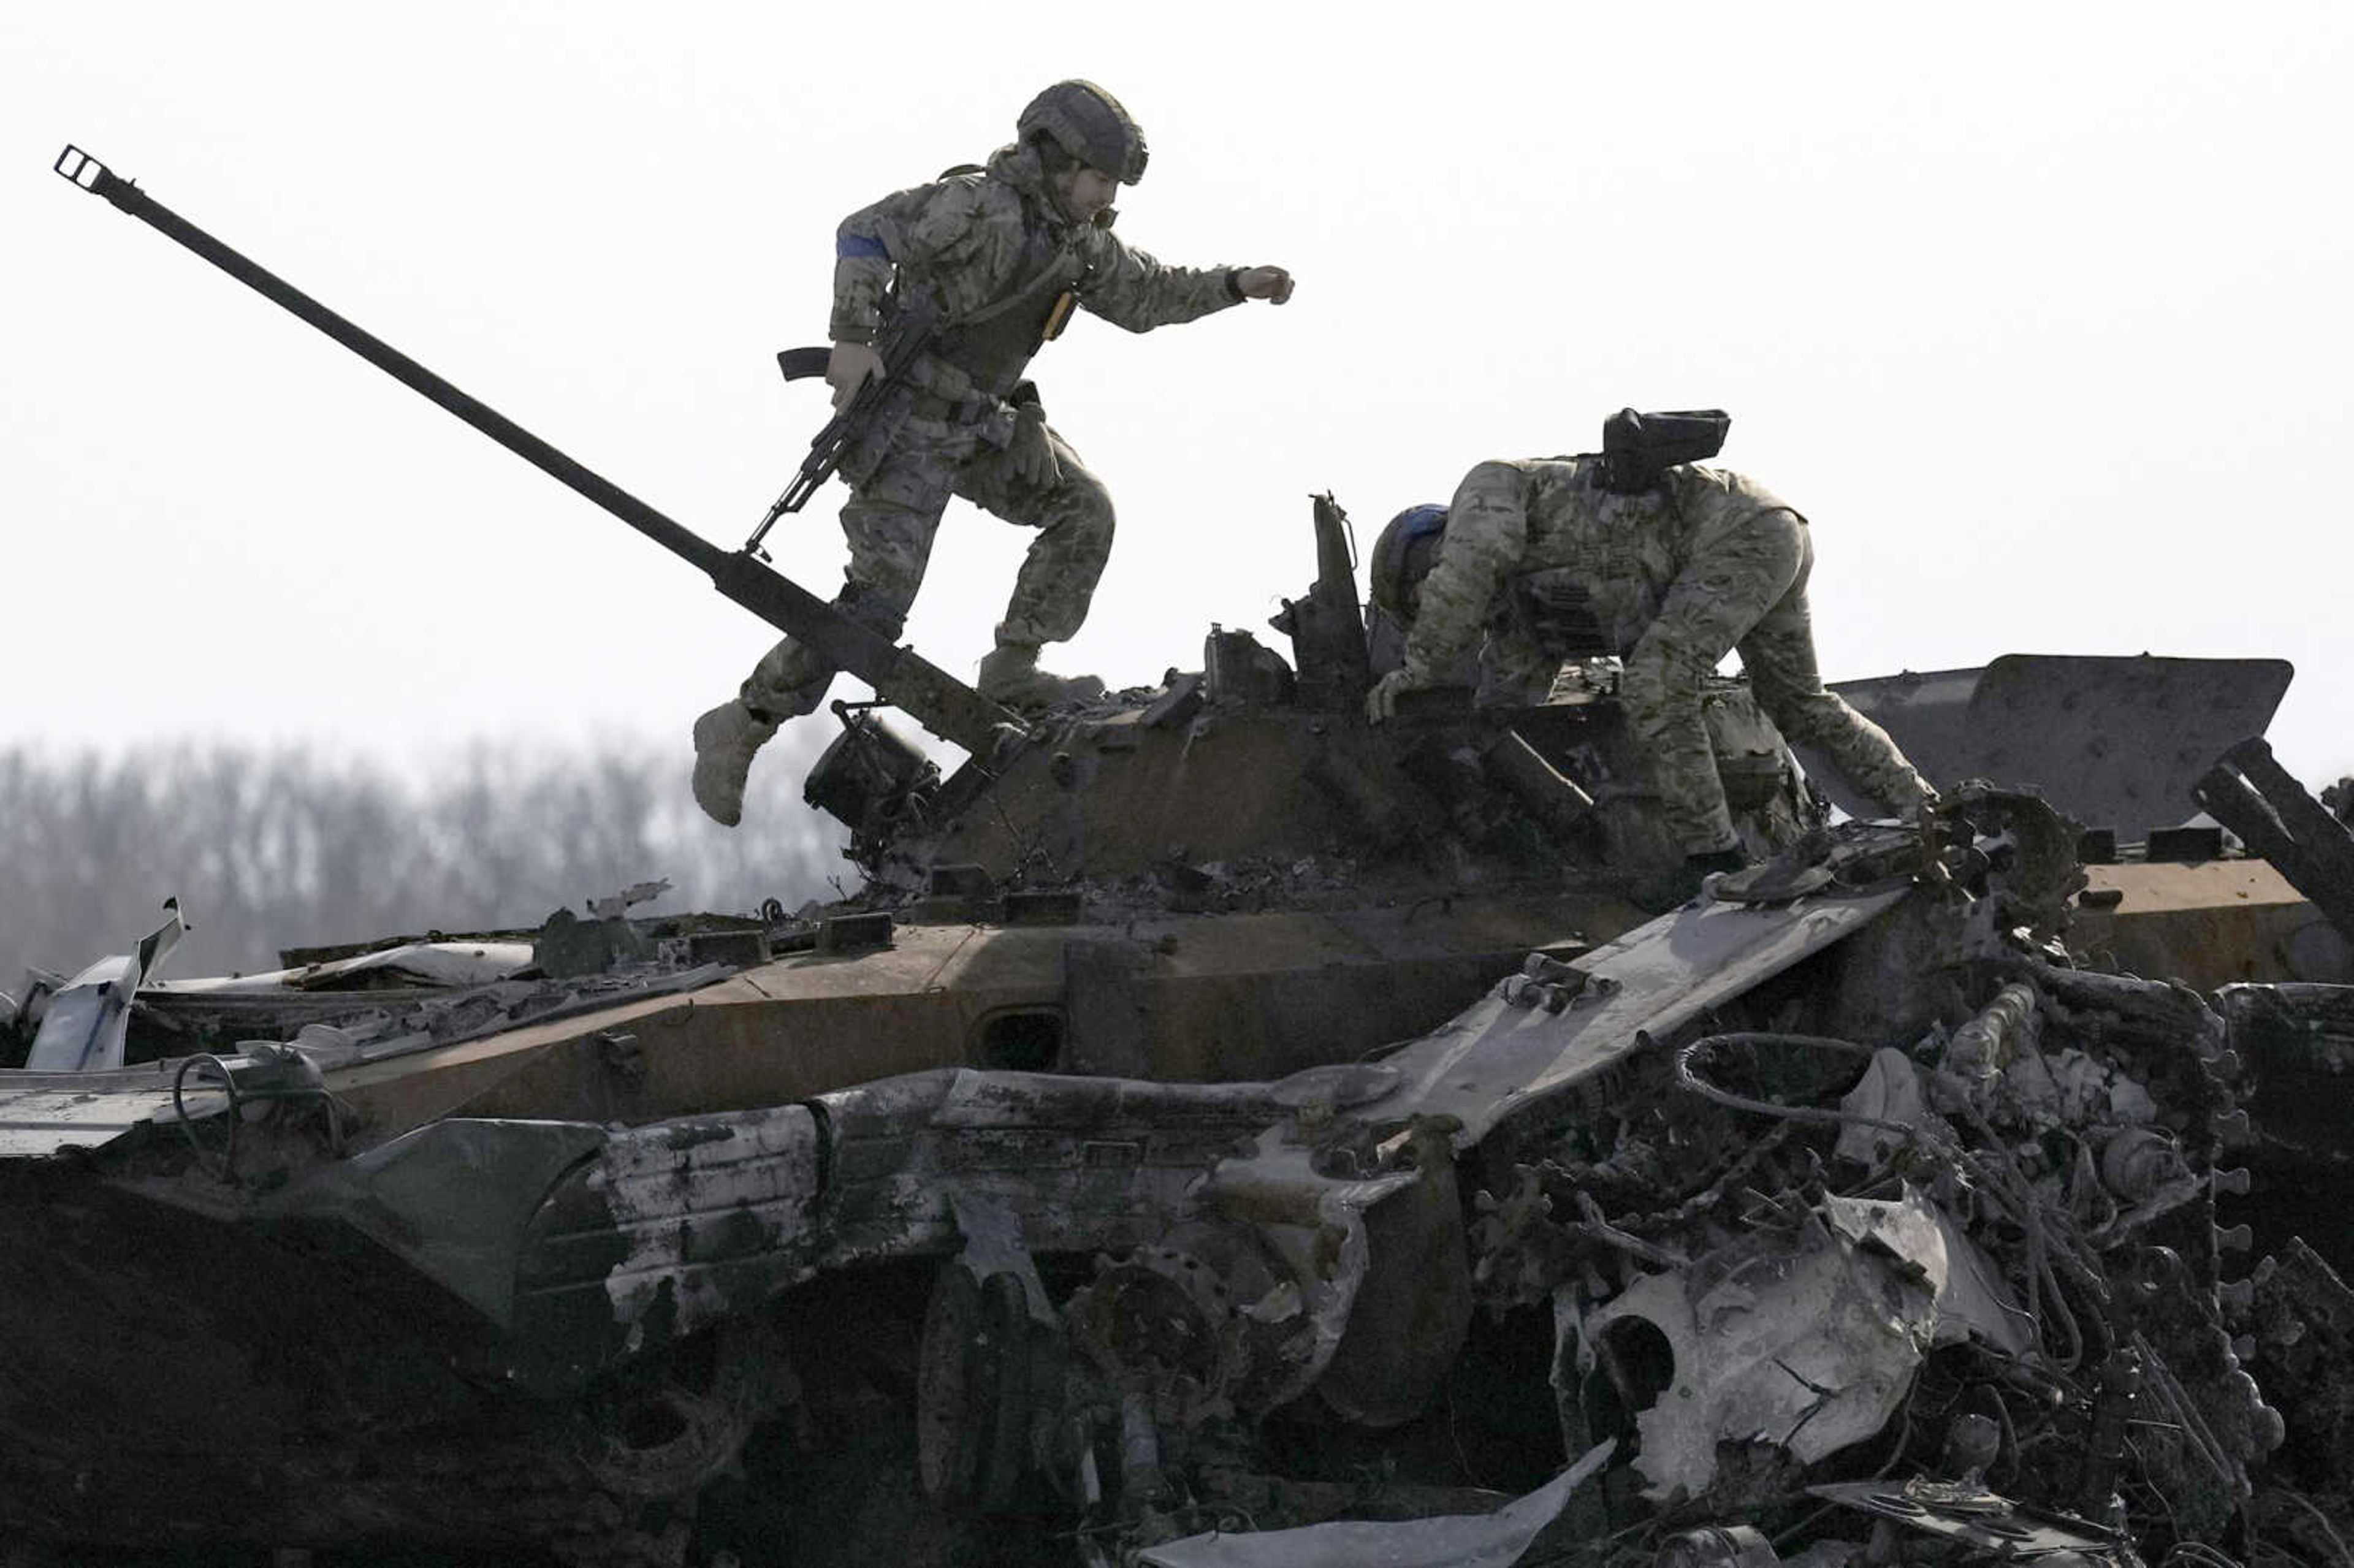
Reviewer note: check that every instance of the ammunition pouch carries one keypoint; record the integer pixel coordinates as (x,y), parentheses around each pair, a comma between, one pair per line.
(945,384)
(1637,448)
(994,417)
(1750,758)
(936,390)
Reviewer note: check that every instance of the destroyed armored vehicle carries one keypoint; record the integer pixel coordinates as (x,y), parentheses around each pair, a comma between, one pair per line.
(1221,1132)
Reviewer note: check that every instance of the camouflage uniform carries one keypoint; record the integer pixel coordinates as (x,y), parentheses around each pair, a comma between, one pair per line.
(1670,580)
(968,242)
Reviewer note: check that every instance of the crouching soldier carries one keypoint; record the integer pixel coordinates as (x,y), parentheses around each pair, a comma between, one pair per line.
(1001,256)
(1668,570)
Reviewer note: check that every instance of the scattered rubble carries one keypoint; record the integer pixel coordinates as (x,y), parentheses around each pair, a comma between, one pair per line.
(1952,1285)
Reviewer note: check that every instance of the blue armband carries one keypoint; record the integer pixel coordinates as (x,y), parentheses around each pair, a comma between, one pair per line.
(849,245)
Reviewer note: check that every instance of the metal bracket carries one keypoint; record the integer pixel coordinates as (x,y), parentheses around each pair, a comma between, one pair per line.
(95,177)
(80,167)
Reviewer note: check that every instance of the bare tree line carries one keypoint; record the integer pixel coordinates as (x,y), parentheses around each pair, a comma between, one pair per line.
(274,847)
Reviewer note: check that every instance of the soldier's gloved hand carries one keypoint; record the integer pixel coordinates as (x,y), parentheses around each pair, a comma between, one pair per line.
(1031,453)
(1263,283)
(1381,703)
(847,368)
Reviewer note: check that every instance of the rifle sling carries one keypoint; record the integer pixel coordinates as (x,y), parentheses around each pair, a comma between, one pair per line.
(996,308)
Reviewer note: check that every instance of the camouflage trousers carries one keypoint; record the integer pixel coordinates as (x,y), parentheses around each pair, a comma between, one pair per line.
(890,520)
(1747,592)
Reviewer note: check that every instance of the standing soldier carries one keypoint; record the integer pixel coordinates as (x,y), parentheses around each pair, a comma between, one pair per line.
(1673,571)
(1002,255)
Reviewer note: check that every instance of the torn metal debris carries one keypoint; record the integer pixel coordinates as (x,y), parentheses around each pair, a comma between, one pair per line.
(85,1021)
(1734,1206)
(1494,1539)
(1163,1161)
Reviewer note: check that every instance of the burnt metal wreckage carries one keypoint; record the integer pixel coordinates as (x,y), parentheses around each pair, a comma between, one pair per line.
(1220,1132)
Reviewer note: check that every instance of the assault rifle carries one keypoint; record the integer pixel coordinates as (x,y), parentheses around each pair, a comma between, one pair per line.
(907,334)
(925,692)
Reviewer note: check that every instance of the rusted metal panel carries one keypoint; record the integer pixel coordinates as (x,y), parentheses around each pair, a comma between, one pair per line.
(1505,1056)
(408,1090)
(410,964)
(41,1113)
(1089,1162)
(2207,925)
(665,1231)
(2112,742)
(1238,997)
(1105,1003)
(452,1199)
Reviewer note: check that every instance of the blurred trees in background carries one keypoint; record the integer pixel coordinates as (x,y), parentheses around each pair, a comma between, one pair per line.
(284,847)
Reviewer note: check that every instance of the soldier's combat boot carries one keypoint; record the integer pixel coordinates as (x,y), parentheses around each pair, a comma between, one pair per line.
(1011,675)
(724,740)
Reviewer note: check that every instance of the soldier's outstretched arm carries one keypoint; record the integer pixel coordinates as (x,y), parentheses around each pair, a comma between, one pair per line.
(1779,654)
(1132,289)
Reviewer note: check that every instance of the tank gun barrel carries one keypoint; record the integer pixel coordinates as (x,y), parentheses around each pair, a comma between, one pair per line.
(939,701)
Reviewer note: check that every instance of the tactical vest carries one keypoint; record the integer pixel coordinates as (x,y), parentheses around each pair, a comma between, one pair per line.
(994,343)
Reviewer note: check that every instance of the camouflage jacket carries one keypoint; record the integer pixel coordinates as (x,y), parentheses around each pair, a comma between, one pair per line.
(971,240)
(1516,517)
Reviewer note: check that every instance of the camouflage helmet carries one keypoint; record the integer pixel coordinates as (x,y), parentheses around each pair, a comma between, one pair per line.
(1403,558)
(1088,124)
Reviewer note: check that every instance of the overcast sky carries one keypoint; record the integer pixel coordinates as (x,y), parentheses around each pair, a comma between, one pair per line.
(2039,311)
